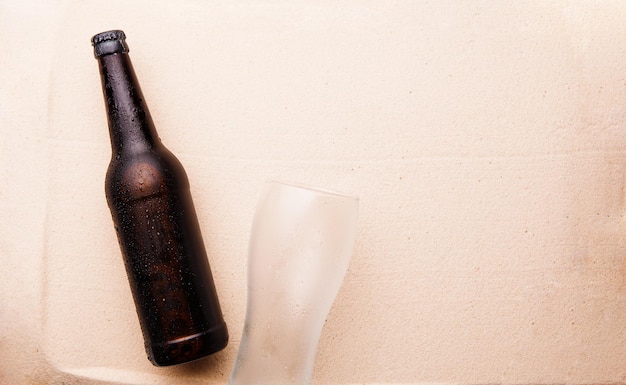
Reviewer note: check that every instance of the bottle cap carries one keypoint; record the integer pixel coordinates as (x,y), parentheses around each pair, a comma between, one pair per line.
(109,42)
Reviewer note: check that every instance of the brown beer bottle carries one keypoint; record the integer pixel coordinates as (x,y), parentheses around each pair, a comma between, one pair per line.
(148,193)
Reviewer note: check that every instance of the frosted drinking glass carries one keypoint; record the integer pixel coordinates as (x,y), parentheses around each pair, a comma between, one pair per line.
(300,246)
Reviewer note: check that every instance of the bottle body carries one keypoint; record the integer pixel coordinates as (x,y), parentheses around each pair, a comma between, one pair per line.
(165,259)
(148,193)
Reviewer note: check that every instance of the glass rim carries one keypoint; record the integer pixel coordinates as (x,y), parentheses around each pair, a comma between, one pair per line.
(314,189)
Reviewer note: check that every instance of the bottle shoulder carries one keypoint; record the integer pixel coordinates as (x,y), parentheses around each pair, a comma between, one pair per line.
(140,175)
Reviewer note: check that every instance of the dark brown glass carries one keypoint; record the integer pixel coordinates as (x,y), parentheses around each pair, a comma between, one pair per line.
(148,193)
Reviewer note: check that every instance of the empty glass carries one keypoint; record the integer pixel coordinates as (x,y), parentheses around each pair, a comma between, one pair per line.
(300,246)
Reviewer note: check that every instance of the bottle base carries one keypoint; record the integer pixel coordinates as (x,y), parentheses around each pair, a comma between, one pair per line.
(188,348)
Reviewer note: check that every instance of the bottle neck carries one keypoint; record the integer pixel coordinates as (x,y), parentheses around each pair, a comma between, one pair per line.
(130,124)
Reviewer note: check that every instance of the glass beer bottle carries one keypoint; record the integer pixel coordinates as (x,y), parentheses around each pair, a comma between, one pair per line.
(147,191)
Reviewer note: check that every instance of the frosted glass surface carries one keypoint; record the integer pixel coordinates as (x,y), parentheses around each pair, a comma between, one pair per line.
(300,247)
